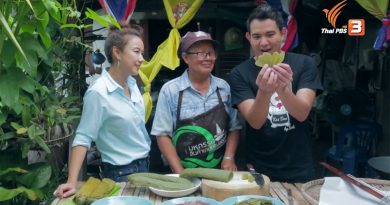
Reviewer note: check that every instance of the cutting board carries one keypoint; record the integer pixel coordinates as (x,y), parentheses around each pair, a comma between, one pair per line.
(236,186)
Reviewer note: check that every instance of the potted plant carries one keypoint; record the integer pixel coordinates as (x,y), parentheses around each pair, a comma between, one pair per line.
(46,126)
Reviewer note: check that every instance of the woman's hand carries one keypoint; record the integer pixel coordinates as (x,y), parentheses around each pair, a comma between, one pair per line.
(65,190)
(228,165)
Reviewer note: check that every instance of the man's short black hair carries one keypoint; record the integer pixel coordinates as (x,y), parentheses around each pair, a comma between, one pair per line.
(264,12)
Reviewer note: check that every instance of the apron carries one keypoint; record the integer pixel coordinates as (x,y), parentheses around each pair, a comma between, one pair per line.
(200,141)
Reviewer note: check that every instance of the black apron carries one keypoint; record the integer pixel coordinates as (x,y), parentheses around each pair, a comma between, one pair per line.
(200,141)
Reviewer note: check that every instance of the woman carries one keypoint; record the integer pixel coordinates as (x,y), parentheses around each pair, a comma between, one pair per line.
(194,122)
(113,115)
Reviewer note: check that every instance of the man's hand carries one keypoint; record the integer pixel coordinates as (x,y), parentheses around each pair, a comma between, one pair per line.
(284,76)
(284,73)
(267,80)
(65,190)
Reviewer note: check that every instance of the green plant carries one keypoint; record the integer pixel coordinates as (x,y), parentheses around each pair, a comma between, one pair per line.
(29,102)
(28,70)
(41,47)
(46,119)
(29,180)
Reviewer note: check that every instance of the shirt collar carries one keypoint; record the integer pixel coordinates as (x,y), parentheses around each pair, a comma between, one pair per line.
(186,83)
(112,85)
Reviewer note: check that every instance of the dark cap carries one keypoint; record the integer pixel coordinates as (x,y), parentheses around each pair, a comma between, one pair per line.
(192,37)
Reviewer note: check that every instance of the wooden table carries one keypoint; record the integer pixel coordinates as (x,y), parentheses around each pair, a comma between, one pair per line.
(278,190)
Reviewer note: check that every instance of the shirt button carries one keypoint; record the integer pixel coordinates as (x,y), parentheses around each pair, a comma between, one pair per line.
(120,172)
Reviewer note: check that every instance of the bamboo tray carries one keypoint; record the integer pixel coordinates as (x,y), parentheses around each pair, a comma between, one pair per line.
(311,190)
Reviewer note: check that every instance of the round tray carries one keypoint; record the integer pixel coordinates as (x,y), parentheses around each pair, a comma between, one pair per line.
(311,190)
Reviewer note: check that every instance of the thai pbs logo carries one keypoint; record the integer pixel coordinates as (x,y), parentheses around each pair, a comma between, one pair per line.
(356,27)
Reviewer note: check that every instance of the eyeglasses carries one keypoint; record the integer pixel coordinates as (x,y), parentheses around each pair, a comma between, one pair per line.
(203,55)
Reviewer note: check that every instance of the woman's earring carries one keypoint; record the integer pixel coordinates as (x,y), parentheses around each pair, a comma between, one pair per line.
(119,63)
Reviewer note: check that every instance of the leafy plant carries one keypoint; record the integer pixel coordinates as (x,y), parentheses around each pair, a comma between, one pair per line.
(41,83)
(19,179)
(27,68)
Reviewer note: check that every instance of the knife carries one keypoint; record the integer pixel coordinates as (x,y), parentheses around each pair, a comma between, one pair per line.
(258,177)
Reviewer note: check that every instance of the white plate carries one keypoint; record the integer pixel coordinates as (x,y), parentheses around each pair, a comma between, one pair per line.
(122,200)
(177,193)
(183,200)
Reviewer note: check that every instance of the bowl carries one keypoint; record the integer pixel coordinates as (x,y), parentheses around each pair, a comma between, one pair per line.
(177,193)
(381,165)
(190,199)
(122,200)
(235,199)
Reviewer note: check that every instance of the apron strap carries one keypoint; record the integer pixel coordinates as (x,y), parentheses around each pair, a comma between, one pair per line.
(179,106)
(219,96)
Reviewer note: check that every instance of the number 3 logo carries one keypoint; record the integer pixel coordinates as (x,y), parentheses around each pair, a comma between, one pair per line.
(356,27)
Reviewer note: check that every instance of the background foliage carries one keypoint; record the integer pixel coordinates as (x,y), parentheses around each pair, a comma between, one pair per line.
(41,83)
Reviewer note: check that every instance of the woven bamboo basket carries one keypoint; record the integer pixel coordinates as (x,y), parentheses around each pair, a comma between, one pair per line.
(311,190)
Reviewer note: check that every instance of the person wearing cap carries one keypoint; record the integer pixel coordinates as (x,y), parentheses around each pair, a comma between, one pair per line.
(194,123)
(275,101)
